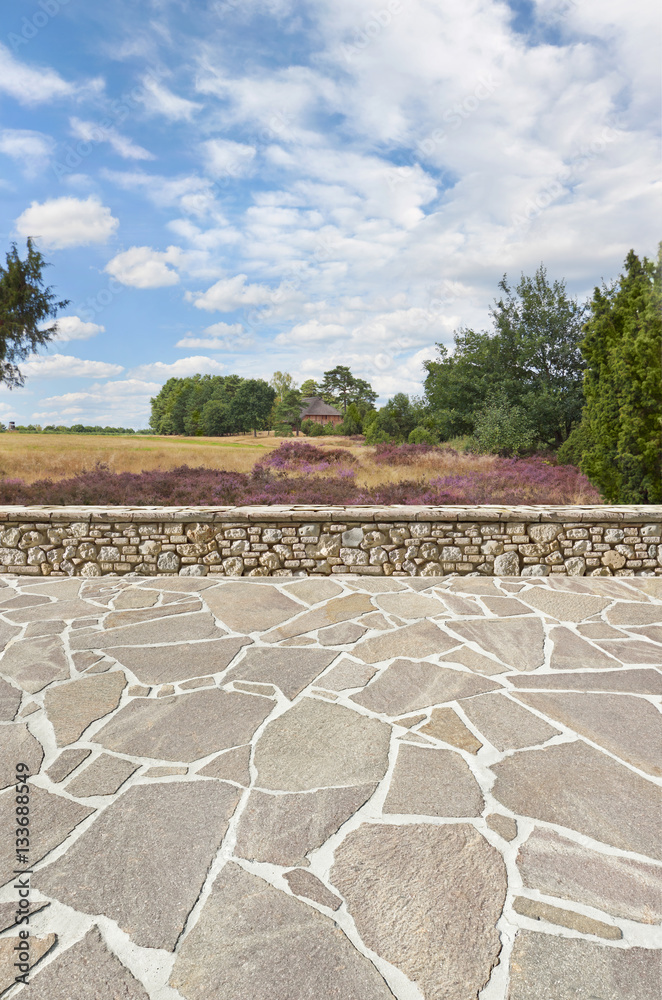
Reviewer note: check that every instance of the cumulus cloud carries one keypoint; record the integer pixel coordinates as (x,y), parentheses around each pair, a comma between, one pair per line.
(73,328)
(68,222)
(30,149)
(66,366)
(233,293)
(178,369)
(123,146)
(142,267)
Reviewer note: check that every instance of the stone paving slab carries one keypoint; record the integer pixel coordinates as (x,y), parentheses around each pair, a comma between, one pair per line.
(351,789)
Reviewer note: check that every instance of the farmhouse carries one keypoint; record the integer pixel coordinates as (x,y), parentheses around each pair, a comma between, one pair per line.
(319,412)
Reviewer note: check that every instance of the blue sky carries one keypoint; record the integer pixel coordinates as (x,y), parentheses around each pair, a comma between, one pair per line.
(251,185)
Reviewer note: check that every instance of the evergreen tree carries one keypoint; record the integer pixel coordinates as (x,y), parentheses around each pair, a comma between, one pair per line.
(621,431)
(24,305)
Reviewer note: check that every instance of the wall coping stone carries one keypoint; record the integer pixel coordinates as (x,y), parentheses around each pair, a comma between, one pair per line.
(542,513)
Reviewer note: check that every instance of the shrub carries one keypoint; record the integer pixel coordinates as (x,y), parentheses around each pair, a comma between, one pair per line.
(300,455)
(283,431)
(503,429)
(312,429)
(421,435)
(388,453)
(508,481)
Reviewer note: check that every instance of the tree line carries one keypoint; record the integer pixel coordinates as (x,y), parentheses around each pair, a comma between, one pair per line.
(580,380)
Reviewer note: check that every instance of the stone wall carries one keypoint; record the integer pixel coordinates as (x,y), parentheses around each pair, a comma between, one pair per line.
(304,540)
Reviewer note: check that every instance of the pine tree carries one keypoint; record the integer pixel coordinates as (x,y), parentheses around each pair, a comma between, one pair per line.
(24,305)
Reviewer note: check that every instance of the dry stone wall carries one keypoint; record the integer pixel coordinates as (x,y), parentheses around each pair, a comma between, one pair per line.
(304,541)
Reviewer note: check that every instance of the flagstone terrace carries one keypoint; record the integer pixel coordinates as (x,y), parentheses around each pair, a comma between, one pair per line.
(334,788)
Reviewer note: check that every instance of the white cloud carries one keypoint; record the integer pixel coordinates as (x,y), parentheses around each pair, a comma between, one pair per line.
(28,85)
(68,222)
(312,332)
(178,369)
(159,100)
(93,132)
(66,366)
(233,293)
(122,403)
(191,194)
(142,267)
(73,328)
(227,159)
(220,337)
(31,150)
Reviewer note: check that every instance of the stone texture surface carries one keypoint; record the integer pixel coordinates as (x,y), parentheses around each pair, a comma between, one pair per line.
(393,879)
(184,727)
(431,782)
(164,664)
(406,605)
(72,707)
(104,776)
(65,763)
(422,639)
(407,685)
(339,609)
(561,867)
(18,744)
(536,910)
(478,662)
(564,607)
(633,651)
(199,625)
(627,613)
(505,826)
(630,728)
(39,946)
(52,819)
(642,681)
(282,829)
(233,765)
(153,852)
(87,969)
(341,635)
(317,744)
(264,608)
(34,663)
(544,966)
(295,950)
(576,786)
(446,725)
(570,652)
(304,883)
(505,724)
(10,699)
(518,643)
(131,877)
(289,669)
(348,674)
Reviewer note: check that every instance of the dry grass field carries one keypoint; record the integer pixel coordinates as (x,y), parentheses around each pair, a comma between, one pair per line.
(55,456)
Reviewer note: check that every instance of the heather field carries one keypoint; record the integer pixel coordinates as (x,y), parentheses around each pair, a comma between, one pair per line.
(63,469)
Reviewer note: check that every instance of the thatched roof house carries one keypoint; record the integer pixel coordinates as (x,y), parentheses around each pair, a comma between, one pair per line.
(319,412)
